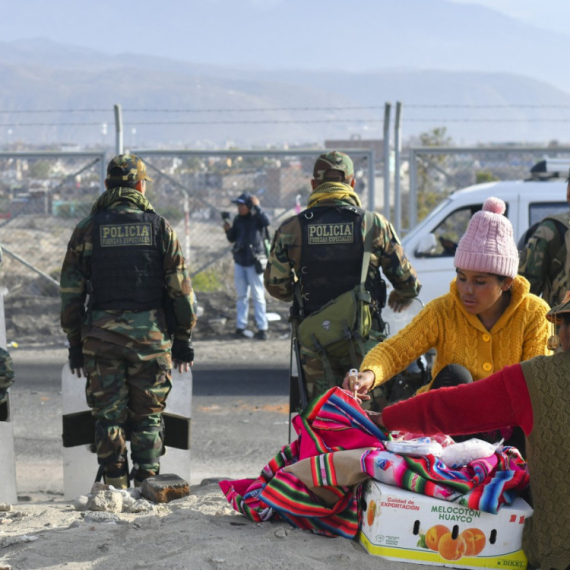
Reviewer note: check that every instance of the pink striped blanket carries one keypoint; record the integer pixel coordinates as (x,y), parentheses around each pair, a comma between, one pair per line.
(314,483)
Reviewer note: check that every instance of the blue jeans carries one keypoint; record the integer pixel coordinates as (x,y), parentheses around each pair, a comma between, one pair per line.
(246,279)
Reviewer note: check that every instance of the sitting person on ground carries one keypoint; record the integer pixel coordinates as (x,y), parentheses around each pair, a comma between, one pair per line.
(487,321)
(534,396)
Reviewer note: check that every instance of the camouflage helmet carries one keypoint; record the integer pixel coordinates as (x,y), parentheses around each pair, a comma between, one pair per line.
(126,168)
(334,166)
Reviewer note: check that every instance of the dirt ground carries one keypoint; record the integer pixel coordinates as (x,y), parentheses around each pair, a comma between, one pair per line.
(33,320)
(202,530)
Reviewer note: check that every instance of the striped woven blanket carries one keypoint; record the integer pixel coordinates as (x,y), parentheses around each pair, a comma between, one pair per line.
(314,483)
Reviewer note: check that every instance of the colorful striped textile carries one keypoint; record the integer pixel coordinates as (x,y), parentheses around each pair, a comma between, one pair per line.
(313,483)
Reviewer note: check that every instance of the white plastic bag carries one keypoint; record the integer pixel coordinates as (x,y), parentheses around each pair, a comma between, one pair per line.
(417,447)
(460,454)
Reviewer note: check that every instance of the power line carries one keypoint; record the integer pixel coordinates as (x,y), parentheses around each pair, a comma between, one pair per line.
(345,108)
(49,124)
(24,111)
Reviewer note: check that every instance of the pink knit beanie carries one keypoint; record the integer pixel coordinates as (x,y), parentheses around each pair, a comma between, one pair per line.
(488,244)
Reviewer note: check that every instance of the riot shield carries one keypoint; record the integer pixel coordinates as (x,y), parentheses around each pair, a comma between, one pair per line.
(79,460)
(8,492)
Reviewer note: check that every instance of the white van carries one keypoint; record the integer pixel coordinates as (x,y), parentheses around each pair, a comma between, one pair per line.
(430,246)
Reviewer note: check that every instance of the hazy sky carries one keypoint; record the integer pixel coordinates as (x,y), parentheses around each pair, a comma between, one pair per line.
(547,14)
(34,18)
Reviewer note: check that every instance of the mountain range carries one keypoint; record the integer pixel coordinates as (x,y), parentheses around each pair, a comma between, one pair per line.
(291,74)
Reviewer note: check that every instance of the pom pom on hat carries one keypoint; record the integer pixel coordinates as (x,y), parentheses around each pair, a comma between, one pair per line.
(488,244)
(494,205)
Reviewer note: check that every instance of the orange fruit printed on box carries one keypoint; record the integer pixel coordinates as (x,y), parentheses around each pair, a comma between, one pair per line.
(451,548)
(434,534)
(371,513)
(475,541)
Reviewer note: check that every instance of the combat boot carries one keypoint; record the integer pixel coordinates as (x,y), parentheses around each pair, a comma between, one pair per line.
(141,474)
(117,475)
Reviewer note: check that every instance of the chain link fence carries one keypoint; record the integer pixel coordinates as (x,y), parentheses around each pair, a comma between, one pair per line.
(44,195)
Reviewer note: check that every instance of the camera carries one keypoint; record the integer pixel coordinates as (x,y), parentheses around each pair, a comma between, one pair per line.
(226,216)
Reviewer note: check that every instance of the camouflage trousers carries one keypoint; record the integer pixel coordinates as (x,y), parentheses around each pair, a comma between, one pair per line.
(6,374)
(127,388)
(319,376)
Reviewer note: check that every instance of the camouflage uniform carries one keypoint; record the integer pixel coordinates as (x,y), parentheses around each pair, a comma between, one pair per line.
(543,259)
(127,353)
(284,267)
(6,368)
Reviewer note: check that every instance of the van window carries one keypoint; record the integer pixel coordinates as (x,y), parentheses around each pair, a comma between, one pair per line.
(537,211)
(451,229)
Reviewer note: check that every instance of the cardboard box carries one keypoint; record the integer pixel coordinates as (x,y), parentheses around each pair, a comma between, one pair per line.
(409,527)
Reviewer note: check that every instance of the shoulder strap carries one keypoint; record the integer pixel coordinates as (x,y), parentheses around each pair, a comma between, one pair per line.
(368,237)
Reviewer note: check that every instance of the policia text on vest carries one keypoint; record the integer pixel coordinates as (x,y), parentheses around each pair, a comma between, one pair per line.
(120,235)
(319,234)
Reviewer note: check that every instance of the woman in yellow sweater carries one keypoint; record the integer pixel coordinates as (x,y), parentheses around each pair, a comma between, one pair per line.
(488,320)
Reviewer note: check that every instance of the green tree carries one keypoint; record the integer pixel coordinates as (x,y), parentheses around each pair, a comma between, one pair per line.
(40,169)
(431,188)
(192,164)
(485,176)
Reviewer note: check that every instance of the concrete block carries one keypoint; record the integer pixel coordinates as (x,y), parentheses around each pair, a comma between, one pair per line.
(165,488)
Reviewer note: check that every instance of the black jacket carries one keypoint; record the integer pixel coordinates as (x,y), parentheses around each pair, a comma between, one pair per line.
(246,234)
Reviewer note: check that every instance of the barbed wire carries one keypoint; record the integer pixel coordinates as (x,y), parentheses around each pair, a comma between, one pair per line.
(275,122)
(280,109)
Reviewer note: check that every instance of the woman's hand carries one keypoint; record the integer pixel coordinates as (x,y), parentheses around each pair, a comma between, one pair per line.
(361,386)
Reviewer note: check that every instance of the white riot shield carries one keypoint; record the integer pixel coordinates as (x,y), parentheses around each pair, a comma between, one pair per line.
(8,493)
(80,462)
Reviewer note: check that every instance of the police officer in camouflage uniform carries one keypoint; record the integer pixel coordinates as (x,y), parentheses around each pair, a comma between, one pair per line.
(327,269)
(6,369)
(126,261)
(545,259)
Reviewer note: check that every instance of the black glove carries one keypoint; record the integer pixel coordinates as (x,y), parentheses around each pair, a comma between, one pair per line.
(182,350)
(76,357)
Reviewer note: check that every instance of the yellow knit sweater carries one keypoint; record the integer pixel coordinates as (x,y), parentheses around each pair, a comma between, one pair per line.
(460,338)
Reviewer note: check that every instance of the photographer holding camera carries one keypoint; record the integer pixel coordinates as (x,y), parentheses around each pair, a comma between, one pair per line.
(247,233)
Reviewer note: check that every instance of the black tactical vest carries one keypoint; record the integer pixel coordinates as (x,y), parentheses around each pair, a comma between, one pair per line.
(331,253)
(126,262)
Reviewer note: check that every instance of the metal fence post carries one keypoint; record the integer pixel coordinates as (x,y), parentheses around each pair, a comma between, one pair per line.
(371,181)
(413,190)
(118,130)
(186,228)
(386,142)
(397,151)
(102,172)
